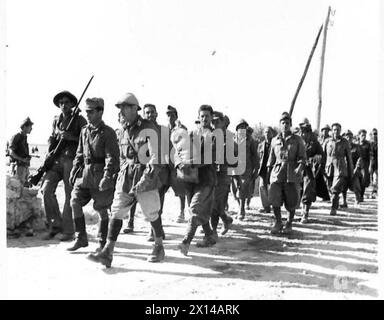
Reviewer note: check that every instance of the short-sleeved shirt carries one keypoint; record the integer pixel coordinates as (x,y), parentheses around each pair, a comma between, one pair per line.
(19,145)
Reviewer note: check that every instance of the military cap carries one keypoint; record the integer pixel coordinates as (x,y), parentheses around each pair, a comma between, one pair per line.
(362,131)
(62,94)
(206,107)
(305,127)
(304,122)
(285,116)
(171,109)
(348,133)
(26,122)
(336,124)
(241,122)
(326,127)
(128,98)
(217,115)
(94,103)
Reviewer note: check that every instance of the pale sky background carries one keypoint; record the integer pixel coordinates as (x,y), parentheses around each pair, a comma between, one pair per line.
(162,52)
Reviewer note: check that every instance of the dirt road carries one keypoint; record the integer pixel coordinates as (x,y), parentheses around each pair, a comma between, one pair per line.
(330,258)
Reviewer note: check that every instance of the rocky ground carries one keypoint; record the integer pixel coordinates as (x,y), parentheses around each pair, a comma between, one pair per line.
(330,258)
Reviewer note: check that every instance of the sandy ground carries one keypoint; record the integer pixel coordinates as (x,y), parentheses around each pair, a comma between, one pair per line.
(330,258)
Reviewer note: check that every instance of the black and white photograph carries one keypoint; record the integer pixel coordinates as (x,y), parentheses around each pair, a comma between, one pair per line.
(191,150)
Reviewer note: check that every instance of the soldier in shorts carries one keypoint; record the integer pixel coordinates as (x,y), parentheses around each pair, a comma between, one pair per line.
(137,180)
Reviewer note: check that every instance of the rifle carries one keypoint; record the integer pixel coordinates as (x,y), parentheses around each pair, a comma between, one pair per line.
(50,158)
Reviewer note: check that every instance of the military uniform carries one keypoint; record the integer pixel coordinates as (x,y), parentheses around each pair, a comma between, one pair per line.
(98,157)
(285,163)
(19,145)
(355,184)
(315,156)
(137,181)
(284,157)
(365,148)
(242,185)
(222,188)
(263,153)
(373,164)
(200,193)
(338,167)
(61,171)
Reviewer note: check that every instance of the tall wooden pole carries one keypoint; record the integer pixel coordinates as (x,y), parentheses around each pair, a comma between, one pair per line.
(322,71)
(305,71)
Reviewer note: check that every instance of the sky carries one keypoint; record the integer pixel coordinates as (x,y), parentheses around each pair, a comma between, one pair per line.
(245,58)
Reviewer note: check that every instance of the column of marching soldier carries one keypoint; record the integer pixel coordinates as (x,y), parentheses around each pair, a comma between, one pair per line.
(106,165)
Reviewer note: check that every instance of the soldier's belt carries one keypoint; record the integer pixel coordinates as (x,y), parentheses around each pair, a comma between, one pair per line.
(94,161)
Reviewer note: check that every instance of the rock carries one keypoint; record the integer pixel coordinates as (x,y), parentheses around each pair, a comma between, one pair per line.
(22,205)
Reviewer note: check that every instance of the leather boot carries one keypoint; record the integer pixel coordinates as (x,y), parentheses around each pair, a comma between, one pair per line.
(81,234)
(105,256)
(191,230)
(278,226)
(157,254)
(335,205)
(102,234)
(228,221)
(208,241)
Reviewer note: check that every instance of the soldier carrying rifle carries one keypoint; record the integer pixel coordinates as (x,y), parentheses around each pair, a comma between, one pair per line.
(62,166)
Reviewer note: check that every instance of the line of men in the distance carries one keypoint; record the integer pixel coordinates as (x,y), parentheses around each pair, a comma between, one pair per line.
(141,160)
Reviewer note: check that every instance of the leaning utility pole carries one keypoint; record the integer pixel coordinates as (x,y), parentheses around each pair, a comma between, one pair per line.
(305,71)
(322,71)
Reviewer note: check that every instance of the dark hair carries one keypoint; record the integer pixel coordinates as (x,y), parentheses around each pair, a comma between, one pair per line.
(362,131)
(206,107)
(149,105)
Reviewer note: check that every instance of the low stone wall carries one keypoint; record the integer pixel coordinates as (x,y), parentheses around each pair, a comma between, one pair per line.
(23,205)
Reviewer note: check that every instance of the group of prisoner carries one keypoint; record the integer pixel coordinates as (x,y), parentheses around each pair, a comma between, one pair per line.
(139,161)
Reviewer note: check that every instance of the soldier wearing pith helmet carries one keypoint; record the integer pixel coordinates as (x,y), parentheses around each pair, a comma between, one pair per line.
(94,172)
(137,179)
(285,169)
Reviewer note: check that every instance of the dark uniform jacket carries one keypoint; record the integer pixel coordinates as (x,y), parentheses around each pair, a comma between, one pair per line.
(284,157)
(59,124)
(365,148)
(98,152)
(373,156)
(251,157)
(19,145)
(263,153)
